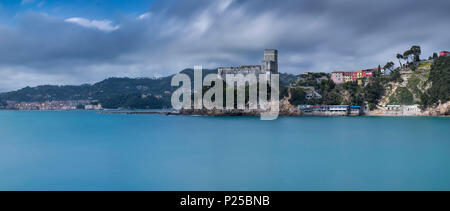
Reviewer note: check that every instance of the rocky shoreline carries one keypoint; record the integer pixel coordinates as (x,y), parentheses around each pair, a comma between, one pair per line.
(289,110)
(286,109)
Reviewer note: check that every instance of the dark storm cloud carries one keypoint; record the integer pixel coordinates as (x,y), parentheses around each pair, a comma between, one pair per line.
(40,40)
(310,35)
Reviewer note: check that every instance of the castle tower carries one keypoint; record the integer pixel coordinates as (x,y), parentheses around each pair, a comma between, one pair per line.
(270,63)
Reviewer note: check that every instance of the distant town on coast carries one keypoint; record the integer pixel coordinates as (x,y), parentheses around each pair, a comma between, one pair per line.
(414,87)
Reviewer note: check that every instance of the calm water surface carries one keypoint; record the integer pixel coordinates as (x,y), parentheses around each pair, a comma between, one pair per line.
(89,151)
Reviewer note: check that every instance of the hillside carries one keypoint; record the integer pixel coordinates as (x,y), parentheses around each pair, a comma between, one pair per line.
(112,92)
(408,90)
(428,85)
(136,93)
(108,92)
(439,80)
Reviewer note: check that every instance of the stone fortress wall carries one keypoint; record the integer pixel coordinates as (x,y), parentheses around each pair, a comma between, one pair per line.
(268,66)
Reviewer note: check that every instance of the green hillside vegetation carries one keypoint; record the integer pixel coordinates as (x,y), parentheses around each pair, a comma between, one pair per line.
(134,101)
(327,88)
(287,79)
(101,90)
(311,79)
(284,92)
(440,83)
(298,97)
(402,96)
(356,93)
(413,84)
(373,92)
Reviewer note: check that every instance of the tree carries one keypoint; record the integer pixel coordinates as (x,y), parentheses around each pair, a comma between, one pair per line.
(402,96)
(297,96)
(326,85)
(439,91)
(413,67)
(406,55)
(357,99)
(424,101)
(332,99)
(400,57)
(389,66)
(373,93)
(416,51)
(395,76)
(284,92)
(435,55)
(377,72)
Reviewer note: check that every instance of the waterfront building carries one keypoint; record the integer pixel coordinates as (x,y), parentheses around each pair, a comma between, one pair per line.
(338,108)
(320,108)
(330,110)
(355,110)
(393,107)
(402,110)
(305,108)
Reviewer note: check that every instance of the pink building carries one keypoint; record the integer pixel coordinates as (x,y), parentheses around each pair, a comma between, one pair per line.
(337,77)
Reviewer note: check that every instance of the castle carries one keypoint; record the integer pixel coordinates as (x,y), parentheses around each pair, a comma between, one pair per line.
(268,66)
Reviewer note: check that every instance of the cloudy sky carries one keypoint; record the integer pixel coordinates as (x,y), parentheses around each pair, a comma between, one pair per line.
(85,41)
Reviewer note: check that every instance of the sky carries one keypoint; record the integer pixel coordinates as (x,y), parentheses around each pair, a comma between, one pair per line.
(62,42)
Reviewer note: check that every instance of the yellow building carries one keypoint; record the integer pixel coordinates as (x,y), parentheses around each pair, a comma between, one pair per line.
(347,78)
(360,82)
(359,74)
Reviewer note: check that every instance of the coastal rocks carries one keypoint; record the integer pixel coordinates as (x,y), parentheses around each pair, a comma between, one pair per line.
(440,110)
(444,109)
(217,112)
(234,112)
(286,109)
(410,110)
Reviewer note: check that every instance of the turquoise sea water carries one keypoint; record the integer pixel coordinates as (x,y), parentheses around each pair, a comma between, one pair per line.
(43,150)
